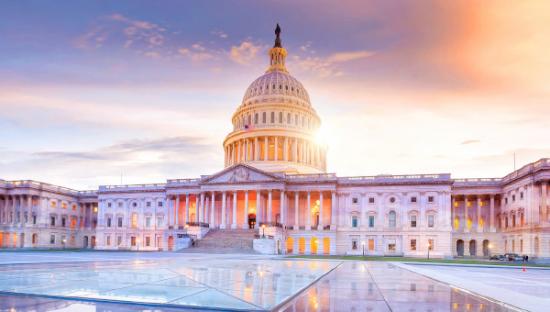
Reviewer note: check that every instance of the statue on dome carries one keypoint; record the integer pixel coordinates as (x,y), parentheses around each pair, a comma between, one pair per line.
(277,38)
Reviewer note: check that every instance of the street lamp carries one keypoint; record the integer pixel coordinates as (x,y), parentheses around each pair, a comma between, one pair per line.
(429,247)
(489,247)
(363,244)
(64,241)
(263,230)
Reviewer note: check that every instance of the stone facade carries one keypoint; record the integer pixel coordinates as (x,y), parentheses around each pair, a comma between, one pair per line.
(275,183)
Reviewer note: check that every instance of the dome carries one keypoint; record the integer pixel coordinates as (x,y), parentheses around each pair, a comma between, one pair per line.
(275,126)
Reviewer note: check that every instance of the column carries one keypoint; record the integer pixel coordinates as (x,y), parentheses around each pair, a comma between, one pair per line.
(296,210)
(168,214)
(245,211)
(269,207)
(321,223)
(29,207)
(177,210)
(308,211)
(186,208)
(256,149)
(544,204)
(222,226)
(453,212)
(276,149)
(266,146)
(234,222)
(333,210)
(466,215)
(258,210)
(212,206)
(479,203)
(295,150)
(282,203)
(285,149)
(492,213)
(197,206)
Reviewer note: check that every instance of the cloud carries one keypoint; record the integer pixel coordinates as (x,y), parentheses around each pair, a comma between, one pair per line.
(219,33)
(245,52)
(341,57)
(329,66)
(197,53)
(469,142)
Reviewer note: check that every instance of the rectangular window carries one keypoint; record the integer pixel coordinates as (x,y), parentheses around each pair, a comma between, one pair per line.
(147,241)
(413,221)
(119,240)
(108,240)
(413,244)
(52,221)
(430,199)
(391,247)
(109,222)
(109,205)
(148,204)
(148,222)
(280,117)
(159,221)
(134,220)
(133,241)
(288,118)
(256,118)
(119,222)
(119,204)
(52,239)
(264,118)
(354,200)
(431,221)
(371,221)
(371,244)
(63,222)
(354,222)
(272,117)
(354,245)
(160,204)
(33,219)
(413,199)
(371,200)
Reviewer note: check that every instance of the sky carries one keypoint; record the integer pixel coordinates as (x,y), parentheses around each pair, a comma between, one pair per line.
(103,92)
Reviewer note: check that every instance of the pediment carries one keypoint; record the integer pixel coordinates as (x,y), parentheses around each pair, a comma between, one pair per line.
(240,174)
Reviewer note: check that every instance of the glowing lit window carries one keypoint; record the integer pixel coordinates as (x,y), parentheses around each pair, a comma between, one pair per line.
(413,244)
(391,219)
(134,220)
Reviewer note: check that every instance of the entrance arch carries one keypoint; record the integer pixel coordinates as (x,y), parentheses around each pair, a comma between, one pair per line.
(34,239)
(326,245)
(289,245)
(472,247)
(314,241)
(486,248)
(301,245)
(251,220)
(460,248)
(21,240)
(85,242)
(170,243)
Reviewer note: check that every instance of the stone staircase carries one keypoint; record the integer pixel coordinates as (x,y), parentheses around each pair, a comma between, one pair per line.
(224,241)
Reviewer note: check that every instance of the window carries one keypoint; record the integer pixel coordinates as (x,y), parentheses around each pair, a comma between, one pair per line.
(430,199)
(147,241)
(52,221)
(354,244)
(354,200)
(64,205)
(33,219)
(506,200)
(160,204)
(521,195)
(280,117)
(413,221)
(272,117)
(133,241)
(134,220)
(371,221)
(296,119)
(108,240)
(148,204)
(63,222)
(391,219)
(109,205)
(371,200)
(134,204)
(354,221)
(413,244)
(288,118)
(256,118)
(392,200)
(52,239)
(74,207)
(431,245)
(431,221)
(513,198)
(119,204)
(119,221)
(148,222)
(413,199)
(109,222)
(159,221)
(53,204)
(119,240)
(391,246)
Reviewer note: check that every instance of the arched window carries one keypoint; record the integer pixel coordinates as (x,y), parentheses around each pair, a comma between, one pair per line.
(256,118)
(288,118)
(280,117)
(264,117)
(272,117)
(391,219)
(296,119)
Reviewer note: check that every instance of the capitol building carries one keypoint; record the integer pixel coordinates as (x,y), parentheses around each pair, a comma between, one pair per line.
(275,188)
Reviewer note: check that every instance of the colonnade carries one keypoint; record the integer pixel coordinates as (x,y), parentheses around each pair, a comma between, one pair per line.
(304,210)
(275,148)
(16,209)
(463,213)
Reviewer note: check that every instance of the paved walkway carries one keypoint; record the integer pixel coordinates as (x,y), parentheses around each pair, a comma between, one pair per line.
(529,289)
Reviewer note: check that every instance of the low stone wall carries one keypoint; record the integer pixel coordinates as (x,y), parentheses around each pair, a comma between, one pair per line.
(264,246)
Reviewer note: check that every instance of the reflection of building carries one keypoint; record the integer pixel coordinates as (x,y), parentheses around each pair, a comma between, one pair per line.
(275,174)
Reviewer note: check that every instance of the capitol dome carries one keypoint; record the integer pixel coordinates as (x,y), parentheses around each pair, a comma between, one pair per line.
(275,126)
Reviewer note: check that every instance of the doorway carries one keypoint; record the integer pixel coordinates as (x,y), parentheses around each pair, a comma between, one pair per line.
(460,248)
(251,220)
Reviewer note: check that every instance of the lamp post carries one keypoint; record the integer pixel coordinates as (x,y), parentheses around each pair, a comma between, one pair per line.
(429,247)
(64,241)
(137,243)
(263,230)
(489,247)
(363,244)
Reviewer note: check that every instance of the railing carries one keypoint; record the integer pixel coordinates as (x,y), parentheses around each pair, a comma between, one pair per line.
(264,236)
(313,176)
(271,224)
(201,224)
(477,181)
(397,178)
(183,181)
